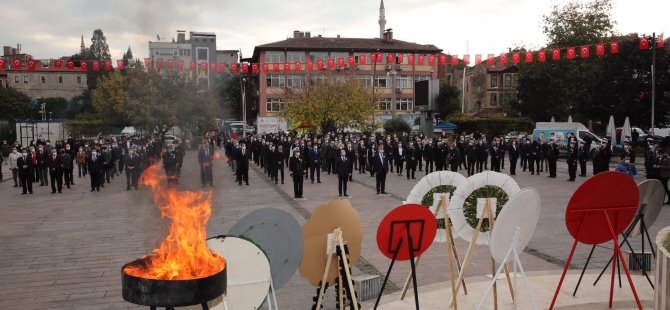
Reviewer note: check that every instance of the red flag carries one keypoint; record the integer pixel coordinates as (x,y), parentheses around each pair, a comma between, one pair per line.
(212,66)
(659,41)
(180,65)
(361,59)
(542,56)
(478,59)
(287,67)
(352,61)
(254,68)
(192,65)
(319,64)
(331,63)
(159,63)
(96,65)
(233,68)
(571,53)
(119,64)
(421,59)
(516,57)
(16,64)
(490,59)
(275,68)
(380,57)
(373,57)
(70,65)
(600,49)
(390,58)
(203,66)
(298,66)
(170,64)
(466,59)
(443,59)
(503,58)
(147,62)
(401,58)
(584,51)
(340,62)
(83,65)
(266,68)
(614,47)
(222,67)
(58,63)
(454,60)
(431,59)
(310,65)
(31,64)
(556,54)
(529,56)
(410,59)
(2,64)
(107,65)
(644,43)
(245,68)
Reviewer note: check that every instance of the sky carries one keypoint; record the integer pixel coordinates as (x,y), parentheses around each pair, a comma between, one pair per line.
(46,30)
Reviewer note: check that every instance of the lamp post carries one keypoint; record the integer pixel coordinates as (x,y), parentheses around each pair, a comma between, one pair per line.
(244,108)
(653,79)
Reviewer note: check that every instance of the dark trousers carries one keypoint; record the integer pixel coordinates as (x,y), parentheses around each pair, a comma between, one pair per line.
(480,165)
(502,161)
(131,177)
(420,163)
(462,162)
(15,176)
(398,166)
(552,167)
(298,182)
(582,167)
(95,179)
(206,175)
(495,164)
(471,167)
(453,167)
(524,163)
(665,186)
(512,165)
(82,170)
(572,169)
(27,182)
(43,175)
(361,166)
(330,165)
(411,169)
(381,182)
(313,169)
(56,177)
(242,175)
(279,171)
(342,184)
(429,166)
(67,174)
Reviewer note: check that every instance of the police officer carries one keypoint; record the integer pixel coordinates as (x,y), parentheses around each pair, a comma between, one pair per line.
(471,154)
(552,157)
(573,156)
(297,169)
(583,154)
(411,160)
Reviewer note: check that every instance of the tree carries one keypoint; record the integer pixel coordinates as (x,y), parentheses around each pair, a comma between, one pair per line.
(99,48)
(57,106)
(340,103)
(578,22)
(14,106)
(128,58)
(231,96)
(448,99)
(396,125)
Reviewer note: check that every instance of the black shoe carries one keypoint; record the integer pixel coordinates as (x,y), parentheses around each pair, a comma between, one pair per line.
(31,192)
(318,181)
(23,193)
(282,182)
(97,189)
(377,192)
(385,193)
(340,196)
(60,192)
(312,181)
(68,186)
(345,195)
(92,190)
(16,186)
(127,188)
(53,192)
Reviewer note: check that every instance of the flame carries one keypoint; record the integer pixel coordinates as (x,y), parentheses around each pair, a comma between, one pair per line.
(183,254)
(216,155)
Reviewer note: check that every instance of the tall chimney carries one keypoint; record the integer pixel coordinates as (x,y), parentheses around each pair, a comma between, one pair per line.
(181,36)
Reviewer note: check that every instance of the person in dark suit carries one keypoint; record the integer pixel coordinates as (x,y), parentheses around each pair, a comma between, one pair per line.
(381,168)
(243,156)
(315,163)
(95,169)
(26,167)
(170,162)
(453,157)
(279,163)
(132,164)
(205,161)
(411,161)
(513,156)
(42,170)
(297,168)
(53,163)
(471,154)
(362,152)
(428,156)
(351,155)
(343,168)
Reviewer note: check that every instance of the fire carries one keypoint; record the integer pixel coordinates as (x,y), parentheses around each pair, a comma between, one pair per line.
(183,254)
(216,155)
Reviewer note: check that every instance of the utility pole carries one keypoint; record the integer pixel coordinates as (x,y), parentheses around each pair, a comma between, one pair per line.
(653,80)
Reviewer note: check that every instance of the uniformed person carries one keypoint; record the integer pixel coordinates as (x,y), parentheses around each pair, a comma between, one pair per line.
(573,156)
(552,157)
(297,169)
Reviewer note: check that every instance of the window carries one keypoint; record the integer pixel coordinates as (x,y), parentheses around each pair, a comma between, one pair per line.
(404,81)
(60,79)
(16,79)
(494,100)
(79,80)
(515,80)
(507,97)
(272,57)
(382,81)
(494,80)
(316,79)
(316,56)
(507,80)
(295,56)
(365,80)
(202,54)
(295,81)
(156,52)
(274,105)
(403,104)
(385,104)
(422,78)
(187,53)
(211,40)
(43,79)
(274,80)
(25,79)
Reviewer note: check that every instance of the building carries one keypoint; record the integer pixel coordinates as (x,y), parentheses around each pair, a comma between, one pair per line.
(47,81)
(489,87)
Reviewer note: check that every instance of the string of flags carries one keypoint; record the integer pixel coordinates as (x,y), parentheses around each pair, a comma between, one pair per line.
(331,63)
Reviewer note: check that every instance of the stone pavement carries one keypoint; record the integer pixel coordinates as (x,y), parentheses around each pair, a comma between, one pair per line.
(66,251)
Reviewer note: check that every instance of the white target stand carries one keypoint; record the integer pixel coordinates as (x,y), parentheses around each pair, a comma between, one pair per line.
(272,298)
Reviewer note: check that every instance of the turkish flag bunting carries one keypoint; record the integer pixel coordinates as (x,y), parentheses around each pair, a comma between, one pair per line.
(659,41)
(319,64)
(373,57)
(120,64)
(159,63)
(254,68)
(298,66)
(340,62)
(466,59)
(70,64)
(222,67)
(83,64)
(245,68)
(571,53)
(352,61)
(212,67)
(58,63)
(380,57)
(361,59)
(614,47)
(644,43)
(584,51)
(600,49)
(331,63)
(107,65)
(421,59)
(192,65)
(96,65)
(147,63)
(410,59)
(478,59)
(390,58)
(490,59)
(516,57)
(2,64)
(454,60)
(287,66)
(170,64)
(180,65)
(203,66)
(529,56)
(31,64)
(275,68)
(16,64)
(401,58)
(556,54)
(233,68)
(542,56)
(310,65)
(266,68)
(443,59)
(431,59)
(503,58)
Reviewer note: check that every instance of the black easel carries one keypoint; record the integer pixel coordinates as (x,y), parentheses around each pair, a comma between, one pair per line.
(396,250)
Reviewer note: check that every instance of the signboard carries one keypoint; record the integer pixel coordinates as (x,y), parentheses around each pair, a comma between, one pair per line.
(270,125)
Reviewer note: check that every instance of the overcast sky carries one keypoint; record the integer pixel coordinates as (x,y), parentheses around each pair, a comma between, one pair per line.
(48,29)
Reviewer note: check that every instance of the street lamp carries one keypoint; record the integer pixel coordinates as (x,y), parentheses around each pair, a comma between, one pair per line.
(244,108)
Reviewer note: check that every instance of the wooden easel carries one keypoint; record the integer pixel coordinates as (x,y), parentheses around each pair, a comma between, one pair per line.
(451,248)
(488,209)
(337,241)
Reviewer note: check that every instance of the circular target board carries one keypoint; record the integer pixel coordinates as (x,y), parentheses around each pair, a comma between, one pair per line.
(392,233)
(521,212)
(652,195)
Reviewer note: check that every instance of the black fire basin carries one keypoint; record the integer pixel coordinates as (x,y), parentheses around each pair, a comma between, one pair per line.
(171,293)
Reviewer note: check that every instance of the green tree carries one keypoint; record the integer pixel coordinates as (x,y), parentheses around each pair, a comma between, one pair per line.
(448,99)
(14,106)
(578,22)
(128,60)
(230,94)
(57,106)
(396,125)
(99,48)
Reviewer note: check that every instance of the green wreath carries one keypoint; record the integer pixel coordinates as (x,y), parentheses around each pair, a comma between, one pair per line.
(470,205)
(427,200)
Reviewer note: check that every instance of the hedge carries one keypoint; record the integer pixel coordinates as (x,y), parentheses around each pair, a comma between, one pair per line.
(492,126)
